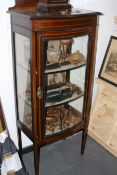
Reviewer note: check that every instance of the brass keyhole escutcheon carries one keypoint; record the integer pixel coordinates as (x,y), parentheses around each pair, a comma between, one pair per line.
(39,93)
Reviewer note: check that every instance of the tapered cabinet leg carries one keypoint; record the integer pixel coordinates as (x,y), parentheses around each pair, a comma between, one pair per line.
(84,139)
(36,158)
(20,142)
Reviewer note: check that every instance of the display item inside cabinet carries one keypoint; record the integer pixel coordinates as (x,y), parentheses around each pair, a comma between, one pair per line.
(61,118)
(64,92)
(66,53)
(66,87)
(56,79)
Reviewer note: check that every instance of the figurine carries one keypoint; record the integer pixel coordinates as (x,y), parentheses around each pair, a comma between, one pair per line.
(58,56)
(61,117)
(65,47)
(53,55)
(51,122)
(73,88)
(73,117)
(55,117)
(62,93)
(52,119)
(76,57)
(57,78)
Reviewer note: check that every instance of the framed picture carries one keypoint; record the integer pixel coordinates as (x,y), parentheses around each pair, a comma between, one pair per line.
(108,71)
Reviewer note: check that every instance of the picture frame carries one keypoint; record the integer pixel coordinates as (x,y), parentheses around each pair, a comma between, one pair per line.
(108,71)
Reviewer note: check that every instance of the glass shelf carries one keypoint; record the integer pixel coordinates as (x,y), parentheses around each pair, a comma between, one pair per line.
(65,67)
(60,99)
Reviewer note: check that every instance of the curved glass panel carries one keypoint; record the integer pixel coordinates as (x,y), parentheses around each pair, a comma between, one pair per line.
(65,69)
(23,73)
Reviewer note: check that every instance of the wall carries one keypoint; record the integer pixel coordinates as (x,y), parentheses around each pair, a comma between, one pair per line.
(106,29)
(6,73)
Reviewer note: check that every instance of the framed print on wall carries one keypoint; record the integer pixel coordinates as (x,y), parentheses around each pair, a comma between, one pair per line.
(108,71)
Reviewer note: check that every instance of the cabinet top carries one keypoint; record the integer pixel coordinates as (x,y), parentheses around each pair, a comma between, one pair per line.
(32,14)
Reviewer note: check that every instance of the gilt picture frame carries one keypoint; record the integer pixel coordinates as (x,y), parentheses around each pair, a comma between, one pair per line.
(108,71)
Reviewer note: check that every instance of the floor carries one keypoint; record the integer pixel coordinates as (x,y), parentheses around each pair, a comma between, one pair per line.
(63,158)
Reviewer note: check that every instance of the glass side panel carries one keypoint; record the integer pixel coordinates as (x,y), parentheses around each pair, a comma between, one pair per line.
(23,61)
(65,69)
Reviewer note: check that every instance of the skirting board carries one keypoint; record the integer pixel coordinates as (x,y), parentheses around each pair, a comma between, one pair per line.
(98,140)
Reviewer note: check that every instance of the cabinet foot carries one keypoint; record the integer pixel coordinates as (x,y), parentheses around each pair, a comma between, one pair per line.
(36,158)
(84,138)
(20,143)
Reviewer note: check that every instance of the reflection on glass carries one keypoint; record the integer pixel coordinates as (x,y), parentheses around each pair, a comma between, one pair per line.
(22,45)
(25,113)
(65,76)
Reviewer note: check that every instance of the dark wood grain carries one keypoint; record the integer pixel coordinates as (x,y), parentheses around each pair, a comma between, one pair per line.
(23,4)
(39,4)
(41,28)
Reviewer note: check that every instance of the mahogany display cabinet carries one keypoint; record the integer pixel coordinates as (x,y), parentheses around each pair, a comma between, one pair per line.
(54,60)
